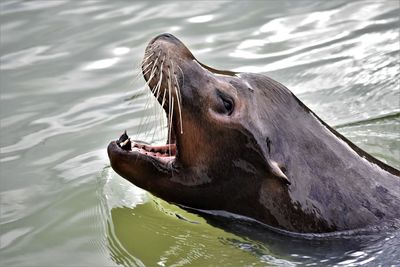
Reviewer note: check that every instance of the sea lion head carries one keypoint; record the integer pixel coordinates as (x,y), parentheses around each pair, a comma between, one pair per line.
(219,149)
(243,143)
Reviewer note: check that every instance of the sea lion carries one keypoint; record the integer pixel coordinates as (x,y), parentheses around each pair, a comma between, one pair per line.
(243,143)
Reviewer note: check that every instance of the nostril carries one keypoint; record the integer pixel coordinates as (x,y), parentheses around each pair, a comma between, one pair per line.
(165,35)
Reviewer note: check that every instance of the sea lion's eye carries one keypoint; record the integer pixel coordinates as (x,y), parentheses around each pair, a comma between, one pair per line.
(227,103)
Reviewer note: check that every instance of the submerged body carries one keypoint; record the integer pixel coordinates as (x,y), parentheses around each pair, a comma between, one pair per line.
(243,143)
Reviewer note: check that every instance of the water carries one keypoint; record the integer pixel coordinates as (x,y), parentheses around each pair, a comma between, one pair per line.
(68,87)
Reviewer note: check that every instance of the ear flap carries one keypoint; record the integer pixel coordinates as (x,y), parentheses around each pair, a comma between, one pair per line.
(276,170)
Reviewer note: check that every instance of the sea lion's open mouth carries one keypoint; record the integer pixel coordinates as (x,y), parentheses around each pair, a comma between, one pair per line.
(162,77)
(164,153)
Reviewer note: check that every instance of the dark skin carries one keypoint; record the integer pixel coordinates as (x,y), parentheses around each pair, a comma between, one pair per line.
(250,147)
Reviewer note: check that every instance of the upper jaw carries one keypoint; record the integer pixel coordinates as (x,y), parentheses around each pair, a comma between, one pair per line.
(161,72)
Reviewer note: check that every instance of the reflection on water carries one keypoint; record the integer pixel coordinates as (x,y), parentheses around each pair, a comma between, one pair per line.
(183,239)
(70,83)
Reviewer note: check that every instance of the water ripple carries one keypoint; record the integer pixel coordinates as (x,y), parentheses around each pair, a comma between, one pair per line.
(28,57)
(67,89)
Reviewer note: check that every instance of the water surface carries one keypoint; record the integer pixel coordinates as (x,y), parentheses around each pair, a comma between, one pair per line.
(70,83)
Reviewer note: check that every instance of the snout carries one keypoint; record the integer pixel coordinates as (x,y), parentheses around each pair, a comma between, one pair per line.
(167,37)
(169,45)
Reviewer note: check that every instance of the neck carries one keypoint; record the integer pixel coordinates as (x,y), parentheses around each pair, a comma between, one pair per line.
(334,179)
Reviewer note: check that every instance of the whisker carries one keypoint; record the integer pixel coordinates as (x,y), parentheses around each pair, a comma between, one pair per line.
(158,85)
(145,72)
(170,124)
(153,71)
(161,77)
(179,110)
(153,68)
(162,106)
(150,78)
(156,61)
(166,119)
(170,109)
(157,88)
(146,58)
(154,104)
(178,98)
(144,119)
(163,101)
(169,82)
(146,66)
(141,65)
(137,76)
(147,119)
(183,76)
(155,116)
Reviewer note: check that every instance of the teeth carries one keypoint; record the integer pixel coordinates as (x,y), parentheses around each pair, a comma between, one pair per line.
(156,151)
(124,136)
(124,143)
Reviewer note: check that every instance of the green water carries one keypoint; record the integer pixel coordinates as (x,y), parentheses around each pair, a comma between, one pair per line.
(70,83)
